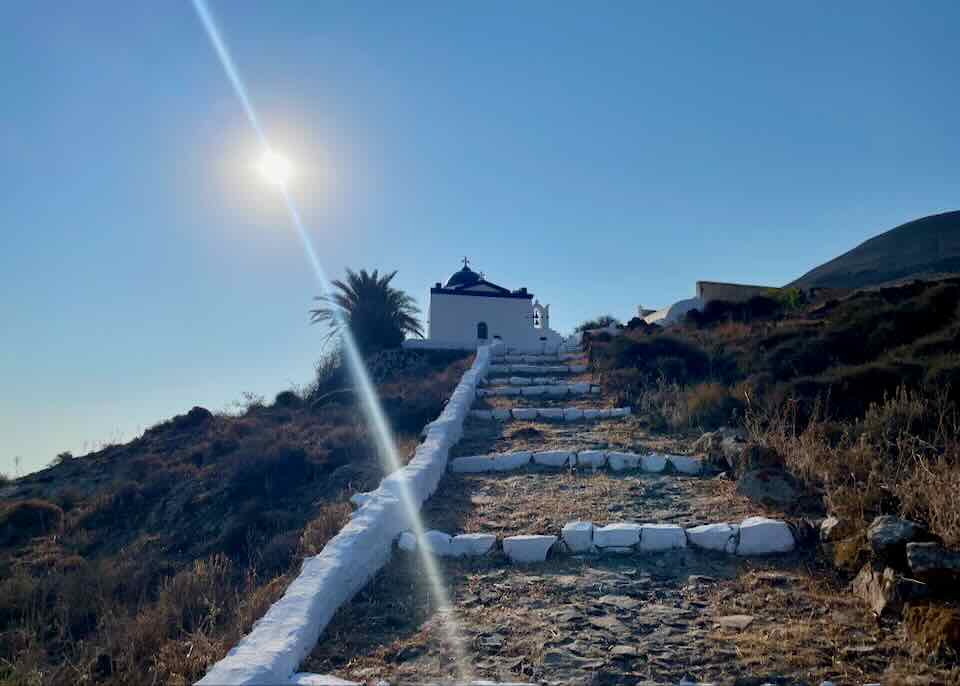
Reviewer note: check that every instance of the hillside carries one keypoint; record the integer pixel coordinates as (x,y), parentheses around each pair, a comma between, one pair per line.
(144,562)
(923,247)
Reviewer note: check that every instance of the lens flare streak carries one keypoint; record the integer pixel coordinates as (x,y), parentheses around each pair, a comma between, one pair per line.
(373,412)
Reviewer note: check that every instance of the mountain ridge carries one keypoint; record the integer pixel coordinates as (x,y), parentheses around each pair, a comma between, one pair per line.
(926,246)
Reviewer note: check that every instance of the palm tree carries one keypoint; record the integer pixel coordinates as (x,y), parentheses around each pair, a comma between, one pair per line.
(378,315)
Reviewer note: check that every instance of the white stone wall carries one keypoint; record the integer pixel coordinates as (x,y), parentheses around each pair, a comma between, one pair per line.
(454,319)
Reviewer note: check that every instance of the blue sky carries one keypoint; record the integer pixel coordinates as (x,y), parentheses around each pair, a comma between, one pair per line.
(603,155)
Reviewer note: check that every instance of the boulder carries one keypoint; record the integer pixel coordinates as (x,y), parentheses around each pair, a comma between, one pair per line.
(888,537)
(577,536)
(721,537)
(762,536)
(933,560)
(501,414)
(660,537)
(572,414)
(525,413)
(885,591)
(721,448)
(771,487)
(525,549)
(620,535)
(472,545)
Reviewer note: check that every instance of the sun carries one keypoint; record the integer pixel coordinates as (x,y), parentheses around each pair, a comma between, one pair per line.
(275,168)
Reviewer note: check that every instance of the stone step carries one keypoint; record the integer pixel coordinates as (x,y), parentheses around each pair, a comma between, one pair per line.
(305,679)
(754,536)
(559,414)
(537,359)
(614,460)
(554,390)
(499,369)
(526,381)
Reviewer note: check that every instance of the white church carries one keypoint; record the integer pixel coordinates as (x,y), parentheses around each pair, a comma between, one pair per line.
(468,311)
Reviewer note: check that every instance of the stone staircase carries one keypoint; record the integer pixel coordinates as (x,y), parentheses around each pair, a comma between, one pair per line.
(501,514)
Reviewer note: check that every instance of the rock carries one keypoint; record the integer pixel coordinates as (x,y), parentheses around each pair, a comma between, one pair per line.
(526,413)
(591,458)
(933,560)
(721,537)
(621,535)
(554,458)
(472,545)
(507,462)
(501,414)
(888,537)
(524,549)
(554,413)
(578,536)
(762,536)
(623,651)
(885,591)
(653,463)
(771,487)
(934,631)
(572,414)
(622,602)
(738,622)
(620,462)
(437,542)
(660,537)
(471,464)
(484,415)
(407,541)
(684,464)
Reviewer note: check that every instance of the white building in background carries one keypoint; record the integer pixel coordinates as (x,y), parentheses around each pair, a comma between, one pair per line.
(468,310)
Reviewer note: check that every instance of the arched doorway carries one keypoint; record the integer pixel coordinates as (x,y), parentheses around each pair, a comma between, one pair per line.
(482,331)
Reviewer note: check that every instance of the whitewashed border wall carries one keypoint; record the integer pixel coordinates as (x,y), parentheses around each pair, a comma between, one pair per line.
(286,634)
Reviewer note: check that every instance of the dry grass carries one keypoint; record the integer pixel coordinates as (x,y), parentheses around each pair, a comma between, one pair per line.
(902,457)
(146,562)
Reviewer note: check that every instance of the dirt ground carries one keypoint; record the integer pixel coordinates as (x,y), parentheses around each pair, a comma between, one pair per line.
(632,619)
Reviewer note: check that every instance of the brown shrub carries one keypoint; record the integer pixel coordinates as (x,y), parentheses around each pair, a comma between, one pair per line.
(711,405)
(934,631)
(25,519)
(330,518)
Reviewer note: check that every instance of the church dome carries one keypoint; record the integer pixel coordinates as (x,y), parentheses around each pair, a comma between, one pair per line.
(464,277)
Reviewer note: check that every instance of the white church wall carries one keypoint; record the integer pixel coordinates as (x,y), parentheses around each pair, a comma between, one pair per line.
(454,320)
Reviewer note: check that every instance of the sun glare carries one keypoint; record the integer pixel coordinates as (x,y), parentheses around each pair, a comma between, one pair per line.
(275,169)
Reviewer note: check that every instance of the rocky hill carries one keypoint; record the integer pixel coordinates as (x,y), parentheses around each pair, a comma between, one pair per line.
(921,248)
